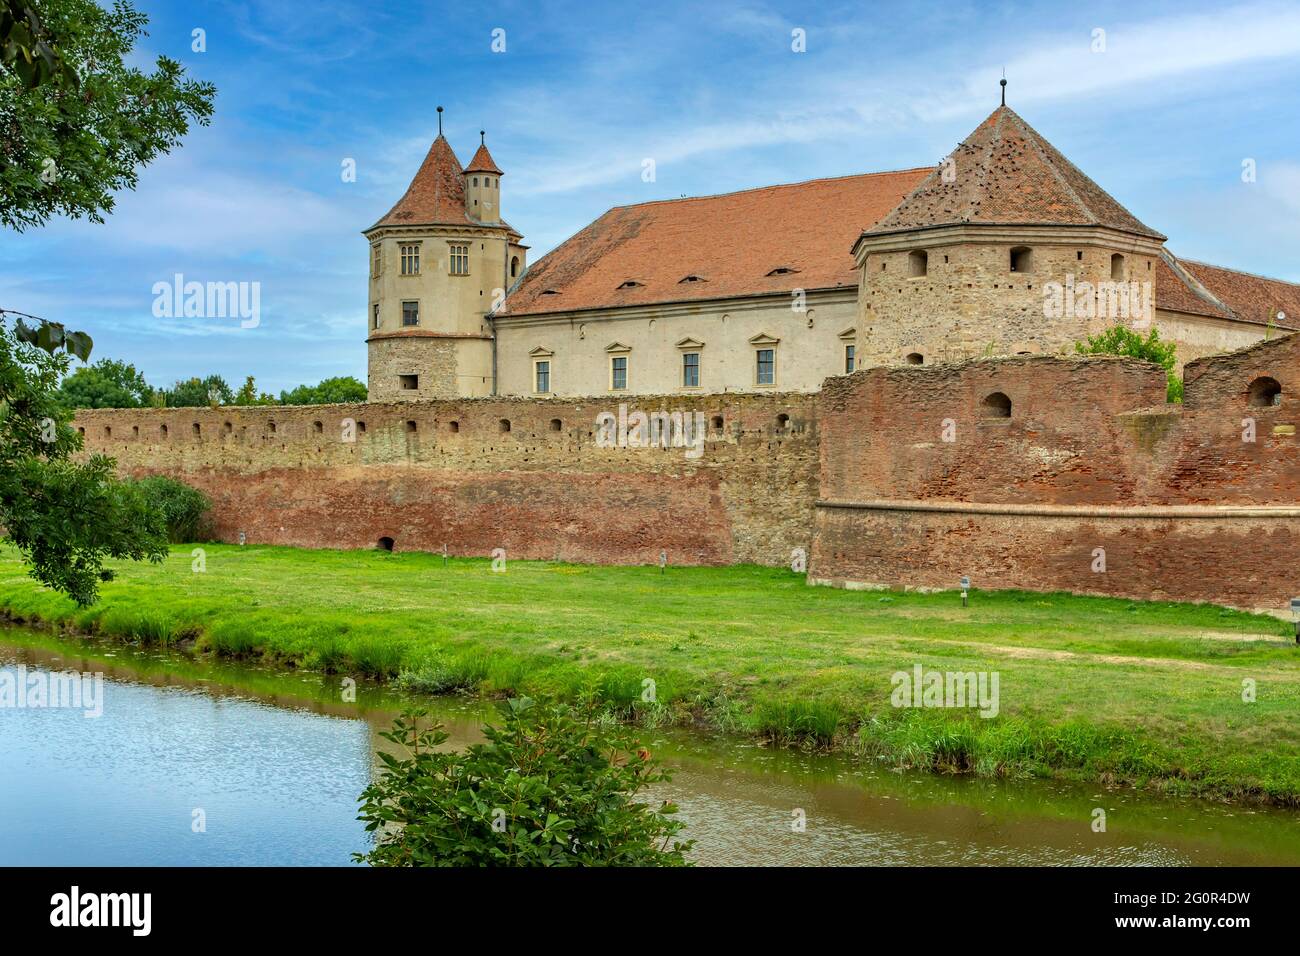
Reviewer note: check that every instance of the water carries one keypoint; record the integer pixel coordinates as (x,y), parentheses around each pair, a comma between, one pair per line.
(274,762)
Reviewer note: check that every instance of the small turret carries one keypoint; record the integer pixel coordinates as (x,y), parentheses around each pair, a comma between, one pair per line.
(483,185)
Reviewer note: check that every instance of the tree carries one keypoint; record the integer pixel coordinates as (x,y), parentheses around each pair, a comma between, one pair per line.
(1121,340)
(332,391)
(248,394)
(65,516)
(199,392)
(76,121)
(550,787)
(108,383)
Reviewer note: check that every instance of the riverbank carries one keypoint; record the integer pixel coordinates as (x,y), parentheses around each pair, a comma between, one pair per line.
(1149,694)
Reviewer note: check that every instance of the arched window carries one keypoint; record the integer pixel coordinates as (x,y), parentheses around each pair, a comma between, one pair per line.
(505,424)
(384,544)
(782,421)
(918,264)
(1117,267)
(1265,392)
(915,358)
(1022,259)
(514,266)
(996,405)
(717,423)
(411,426)
(556,425)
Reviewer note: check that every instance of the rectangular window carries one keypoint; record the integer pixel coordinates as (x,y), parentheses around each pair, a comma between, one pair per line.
(848,358)
(543,376)
(410,313)
(374,315)
(376,259)
(459,260)
(411,260)
(409,382)
(618,372)
(691,369)
(766,370)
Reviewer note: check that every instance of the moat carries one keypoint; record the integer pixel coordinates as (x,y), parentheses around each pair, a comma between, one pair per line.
(216,764)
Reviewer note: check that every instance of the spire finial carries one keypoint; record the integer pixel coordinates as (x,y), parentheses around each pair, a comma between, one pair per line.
(481,135)
(1004,87)
(439,120)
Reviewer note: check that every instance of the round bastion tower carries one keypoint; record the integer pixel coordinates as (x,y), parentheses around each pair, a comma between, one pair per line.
(441,260)
(1006,249)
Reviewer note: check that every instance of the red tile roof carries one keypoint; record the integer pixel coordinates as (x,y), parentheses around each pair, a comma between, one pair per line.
(731,242)
(1251,298)
(436,196)
(483,162)
(1005,173)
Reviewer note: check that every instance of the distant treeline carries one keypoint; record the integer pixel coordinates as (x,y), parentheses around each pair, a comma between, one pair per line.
(110,383)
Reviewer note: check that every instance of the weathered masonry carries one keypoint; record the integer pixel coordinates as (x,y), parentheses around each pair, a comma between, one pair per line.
(1036,472)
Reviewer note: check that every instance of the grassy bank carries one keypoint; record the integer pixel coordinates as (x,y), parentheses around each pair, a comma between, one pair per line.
(1147,693)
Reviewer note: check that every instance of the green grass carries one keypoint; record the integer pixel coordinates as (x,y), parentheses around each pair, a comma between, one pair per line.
(1090,688)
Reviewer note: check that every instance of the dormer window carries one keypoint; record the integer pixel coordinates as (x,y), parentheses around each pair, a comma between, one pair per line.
(631,284)
(783,271)
(549,292)
(692,278)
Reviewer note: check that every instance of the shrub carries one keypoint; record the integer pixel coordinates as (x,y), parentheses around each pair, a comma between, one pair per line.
(184,509)
(1121,340)
(550,787)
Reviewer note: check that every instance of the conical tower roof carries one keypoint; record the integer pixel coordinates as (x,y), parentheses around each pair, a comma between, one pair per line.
(483,162)
(1005,173)
(436,195)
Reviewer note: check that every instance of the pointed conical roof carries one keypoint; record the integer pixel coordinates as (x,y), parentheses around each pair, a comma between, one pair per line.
(483,162)
(1005,173)
(436,194)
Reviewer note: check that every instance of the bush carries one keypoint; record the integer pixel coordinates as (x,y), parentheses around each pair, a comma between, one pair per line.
(550,787)
(184,509)
(1121,340)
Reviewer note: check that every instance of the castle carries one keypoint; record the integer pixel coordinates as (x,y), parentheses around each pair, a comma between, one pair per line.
(965,441)
(1006,248)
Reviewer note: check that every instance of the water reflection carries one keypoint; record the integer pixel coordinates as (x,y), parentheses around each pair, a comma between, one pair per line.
(275,761)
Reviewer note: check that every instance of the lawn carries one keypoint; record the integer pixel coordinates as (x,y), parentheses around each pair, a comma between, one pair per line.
(1090,688)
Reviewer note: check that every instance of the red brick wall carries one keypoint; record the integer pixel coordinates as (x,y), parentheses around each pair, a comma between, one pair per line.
(1091,457)
(535,491)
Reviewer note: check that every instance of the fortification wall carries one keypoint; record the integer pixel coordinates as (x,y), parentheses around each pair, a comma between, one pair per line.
(437,473)
(1090,484)
(1035,472)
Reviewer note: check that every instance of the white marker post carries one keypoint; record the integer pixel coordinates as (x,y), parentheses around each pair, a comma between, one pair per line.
(965,588)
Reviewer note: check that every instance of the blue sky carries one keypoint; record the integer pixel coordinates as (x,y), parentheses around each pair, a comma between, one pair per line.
(1162,119)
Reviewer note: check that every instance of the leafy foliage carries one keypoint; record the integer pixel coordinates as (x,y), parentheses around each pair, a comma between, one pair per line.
(65,516)
(1121,340)
(184,509)
(107,383)
(199,393)
(249,395)
(331,391)
(550,787)
(76,121)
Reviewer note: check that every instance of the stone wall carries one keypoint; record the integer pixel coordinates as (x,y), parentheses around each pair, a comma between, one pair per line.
(1033,472)
(1091,484)
(438,473)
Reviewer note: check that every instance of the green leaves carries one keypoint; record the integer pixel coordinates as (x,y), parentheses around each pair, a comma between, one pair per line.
(550,787)
(73,139)
(66,516)
(52,336)
(1121,340)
